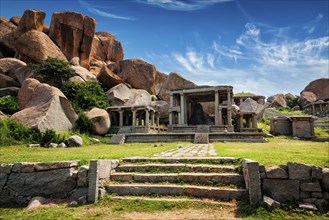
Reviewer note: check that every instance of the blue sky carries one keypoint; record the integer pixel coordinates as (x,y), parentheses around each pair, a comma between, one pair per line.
(265,47)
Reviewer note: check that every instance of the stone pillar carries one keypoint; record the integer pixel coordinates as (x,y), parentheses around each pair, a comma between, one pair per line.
(229,101)
(134,118)
(127,118)
(147,117)
(254,121)
(313,109)
(240,121)
(216,108)
(251,175)
(171,104)
(158,121)
(220,116)
(248,121)
(229,117)
(152,118)
(120,118)
(182,109)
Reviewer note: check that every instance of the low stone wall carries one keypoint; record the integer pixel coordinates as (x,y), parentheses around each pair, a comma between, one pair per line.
(295,182)
(20,182)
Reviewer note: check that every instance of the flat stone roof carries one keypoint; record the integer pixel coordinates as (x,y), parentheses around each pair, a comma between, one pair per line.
(201,89)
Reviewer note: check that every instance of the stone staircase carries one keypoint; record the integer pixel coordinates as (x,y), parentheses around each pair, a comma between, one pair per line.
(207,177)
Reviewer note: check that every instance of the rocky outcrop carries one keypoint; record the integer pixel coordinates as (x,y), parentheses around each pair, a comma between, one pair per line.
(199,117)
(6,81)
(15,20)
(83,73)
(277,101)
(139,74)
(31,20)
(22,73)
(8,66)
(106,47)
(36,46)
(122,95)
(174,81)
(314,91)
(100,121)
(2,19)
(160,78)
(108,78)
(44,107)
(74,34)
(250,105)
(7,40)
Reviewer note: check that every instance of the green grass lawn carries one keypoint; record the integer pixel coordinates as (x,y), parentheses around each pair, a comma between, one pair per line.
(279,150)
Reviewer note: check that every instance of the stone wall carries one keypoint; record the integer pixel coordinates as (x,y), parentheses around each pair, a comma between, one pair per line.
(299,183)
(20,182)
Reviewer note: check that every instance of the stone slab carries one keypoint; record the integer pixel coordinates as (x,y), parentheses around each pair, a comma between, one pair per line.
(118,139)
(299,171)
(310,187)
(281,190)
(276,173)
(5,168)
(201,138)
(55,165)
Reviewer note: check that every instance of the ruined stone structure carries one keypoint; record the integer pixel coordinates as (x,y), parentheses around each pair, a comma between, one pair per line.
(186,113)
(246,121)
(297,126)
(319,108)
(134,119)
(258,98)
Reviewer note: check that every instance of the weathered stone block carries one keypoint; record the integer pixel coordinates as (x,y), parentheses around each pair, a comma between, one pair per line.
(78,193)
(3,180)
(44,183)
(298,171)
(321,204)
(281,190)
(55,165)
(276,173)
(74,141)
(82,177)
(252,180)
(271,203)
(23,167)
(325,179)
(304,195)
(309,200)
(317,195)
(118,139)
(6,168)
(307,206)
(201,138)
(310,187)
(316,173)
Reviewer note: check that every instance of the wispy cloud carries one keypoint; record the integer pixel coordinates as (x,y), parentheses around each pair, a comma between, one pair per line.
(179,5)
(96,10)
(251,64)
(310,27)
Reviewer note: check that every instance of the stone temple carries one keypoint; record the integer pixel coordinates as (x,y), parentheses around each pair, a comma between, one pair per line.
(206,113)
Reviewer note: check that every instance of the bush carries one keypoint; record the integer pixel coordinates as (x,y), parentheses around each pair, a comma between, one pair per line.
(53,71)
(83,124)
(9,104)
(85,95)
(13,132)
(292,101)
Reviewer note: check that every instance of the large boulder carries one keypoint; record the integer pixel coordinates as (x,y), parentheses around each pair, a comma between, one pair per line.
(74,141)
(108,78)
(277,101)
(84,73)
(31,20)
(160,78)
(281,190)
(44,107)
(314,91)
(174,81)
(163,108)
(22,73)
(7,30)
(36,46)
(8,66)
(250,105)
(106,47)
(2,19)
(6,81)
(100,121)
(122,95)
(139,74)
(12,91)
(15,20)
(74,34)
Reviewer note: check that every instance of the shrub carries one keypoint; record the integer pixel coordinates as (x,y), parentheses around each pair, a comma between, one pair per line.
(13,132)
(53,71)
(83,124)
(292,101)
(9,104)
(85,95)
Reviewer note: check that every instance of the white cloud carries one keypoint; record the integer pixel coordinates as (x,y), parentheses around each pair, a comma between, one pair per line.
(179,5)
(96,11)
(253,65)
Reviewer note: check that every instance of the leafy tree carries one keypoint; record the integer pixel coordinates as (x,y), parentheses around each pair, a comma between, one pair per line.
(292,101)
(53,71)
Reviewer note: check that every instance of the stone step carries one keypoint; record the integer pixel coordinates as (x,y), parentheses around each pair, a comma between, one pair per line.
(214,179)
(218,193)
(151,168)
(208,160)
(175,199)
